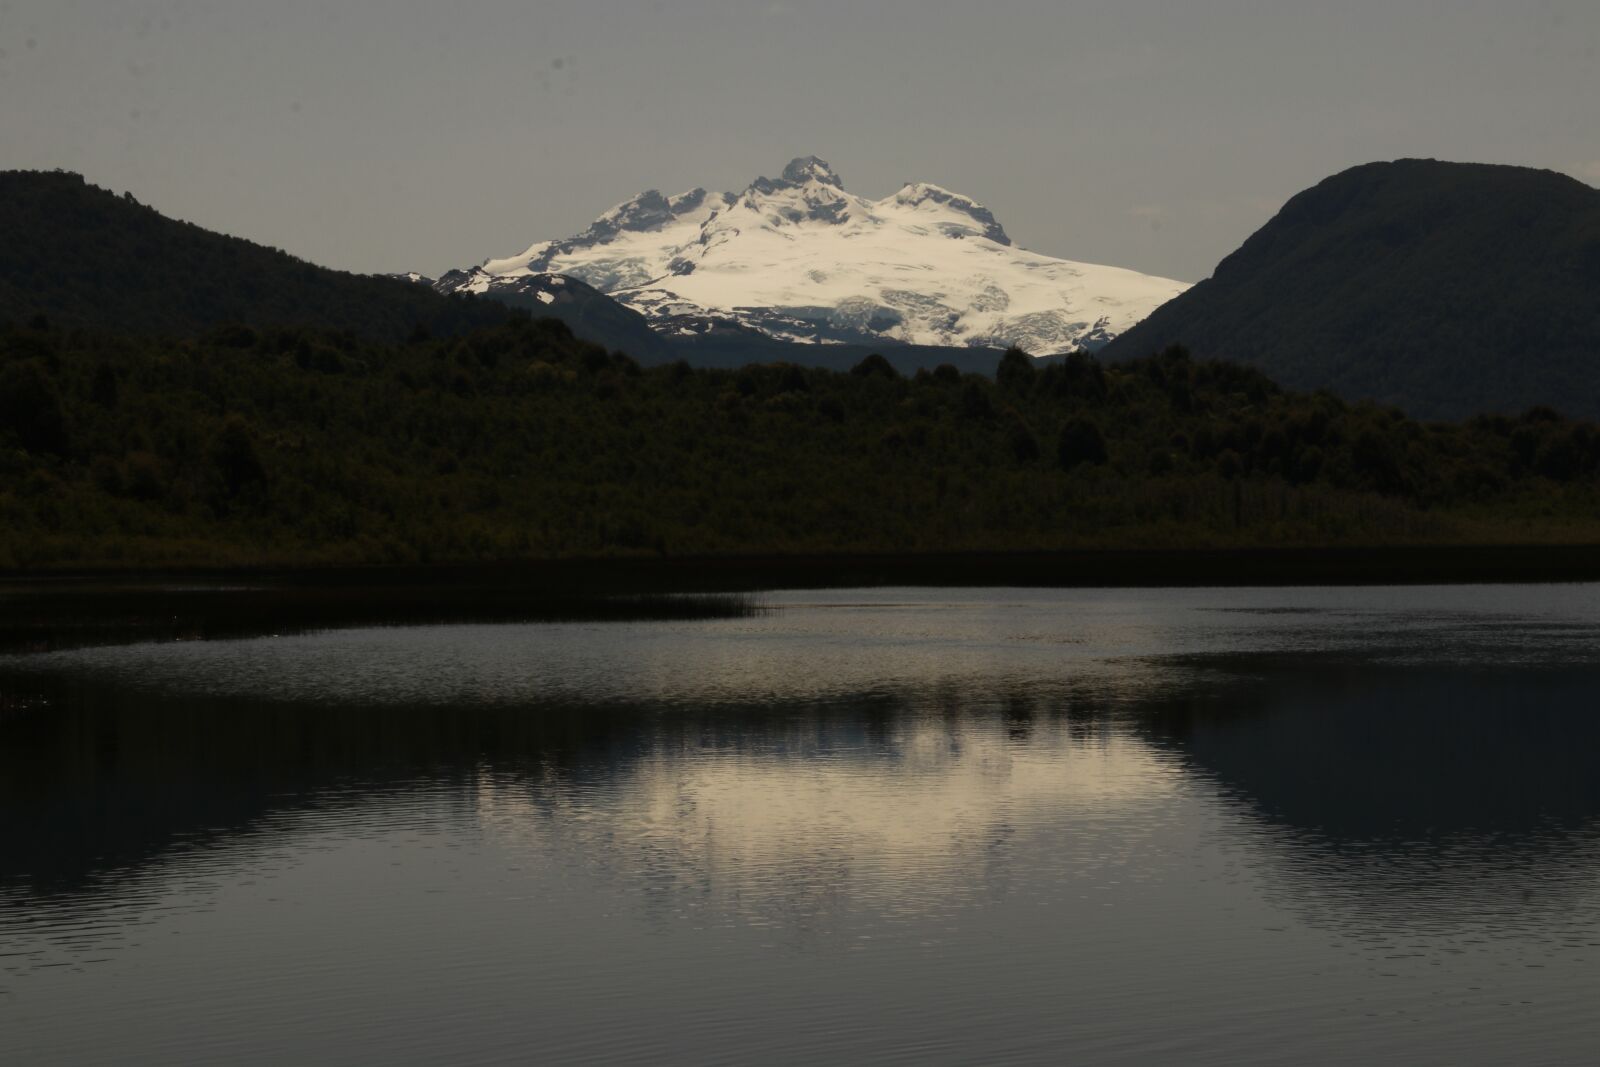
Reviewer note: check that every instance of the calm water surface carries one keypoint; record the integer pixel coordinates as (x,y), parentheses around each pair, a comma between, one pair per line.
(919,826)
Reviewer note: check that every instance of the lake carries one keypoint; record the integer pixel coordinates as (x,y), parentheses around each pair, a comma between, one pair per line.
(1213,826)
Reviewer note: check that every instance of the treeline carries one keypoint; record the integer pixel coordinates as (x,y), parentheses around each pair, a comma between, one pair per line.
(280,446)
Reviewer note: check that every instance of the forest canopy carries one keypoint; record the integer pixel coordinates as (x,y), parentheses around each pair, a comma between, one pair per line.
(515,442)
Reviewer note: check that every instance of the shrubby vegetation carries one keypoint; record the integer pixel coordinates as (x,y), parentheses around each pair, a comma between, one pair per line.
(252,446)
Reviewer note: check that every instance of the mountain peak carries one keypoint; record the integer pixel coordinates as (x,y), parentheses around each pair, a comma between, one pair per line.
(647,211)
(917,194)
(801,172)
(808,191)
(803,169)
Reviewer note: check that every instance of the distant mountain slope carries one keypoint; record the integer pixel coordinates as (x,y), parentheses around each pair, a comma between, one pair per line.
(741,346)
(1443,288)
(589,313)
(82,256)
(595,317)
(800,258)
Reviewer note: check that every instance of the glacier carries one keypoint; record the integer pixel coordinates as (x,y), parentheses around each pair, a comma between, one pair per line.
(800,258)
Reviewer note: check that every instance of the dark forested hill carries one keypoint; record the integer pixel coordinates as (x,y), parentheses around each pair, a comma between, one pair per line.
(1446,289)
(82,256)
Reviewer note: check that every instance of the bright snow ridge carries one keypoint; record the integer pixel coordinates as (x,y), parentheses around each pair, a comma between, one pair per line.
(801,258)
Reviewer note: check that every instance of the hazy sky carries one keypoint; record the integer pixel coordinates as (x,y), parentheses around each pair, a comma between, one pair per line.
(390,134)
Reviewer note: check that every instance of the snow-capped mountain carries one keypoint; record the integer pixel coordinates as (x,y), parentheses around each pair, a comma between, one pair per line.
(800,258)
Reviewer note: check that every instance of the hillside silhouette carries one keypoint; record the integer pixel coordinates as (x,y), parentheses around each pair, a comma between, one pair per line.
(81,256)
(1446,289)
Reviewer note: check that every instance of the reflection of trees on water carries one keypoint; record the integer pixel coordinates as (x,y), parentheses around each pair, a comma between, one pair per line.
(1408,799)
(1378,798)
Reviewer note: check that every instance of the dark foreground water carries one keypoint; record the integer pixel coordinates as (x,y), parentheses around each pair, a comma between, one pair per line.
(919,826)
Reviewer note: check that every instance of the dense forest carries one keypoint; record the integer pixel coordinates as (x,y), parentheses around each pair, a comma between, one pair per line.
(282,446)
(1446,289)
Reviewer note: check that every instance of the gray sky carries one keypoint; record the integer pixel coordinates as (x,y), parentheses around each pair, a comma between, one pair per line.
(391,134)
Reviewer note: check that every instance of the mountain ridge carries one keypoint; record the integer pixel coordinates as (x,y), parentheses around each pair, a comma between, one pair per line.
(800,258)
(75,255)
